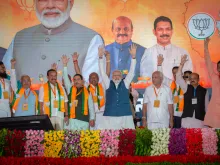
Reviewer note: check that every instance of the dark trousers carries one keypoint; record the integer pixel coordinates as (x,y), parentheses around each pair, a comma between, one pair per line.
(177,122)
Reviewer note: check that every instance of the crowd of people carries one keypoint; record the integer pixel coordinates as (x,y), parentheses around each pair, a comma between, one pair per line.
(92,92)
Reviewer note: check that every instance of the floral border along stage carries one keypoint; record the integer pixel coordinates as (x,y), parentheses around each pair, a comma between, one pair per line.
(110,143)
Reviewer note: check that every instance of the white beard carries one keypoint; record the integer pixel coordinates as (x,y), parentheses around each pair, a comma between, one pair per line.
(52,23)
(116,82)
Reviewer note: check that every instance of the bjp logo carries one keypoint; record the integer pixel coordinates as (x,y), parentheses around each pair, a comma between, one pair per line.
(27,5)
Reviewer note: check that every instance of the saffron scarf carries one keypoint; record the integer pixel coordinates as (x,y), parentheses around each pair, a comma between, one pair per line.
(20,92)
(72,98)
(47,98)
(100,92)
(180,104)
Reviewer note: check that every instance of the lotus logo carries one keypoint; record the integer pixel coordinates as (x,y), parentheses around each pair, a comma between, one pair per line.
(27,5)
(201,24)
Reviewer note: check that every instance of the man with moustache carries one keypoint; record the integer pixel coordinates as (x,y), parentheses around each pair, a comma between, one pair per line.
(196,99)
(122,29)
(56,35)
(212,118)
(117,114)
(5,92)
(53,101)
(163,30)
(25,101)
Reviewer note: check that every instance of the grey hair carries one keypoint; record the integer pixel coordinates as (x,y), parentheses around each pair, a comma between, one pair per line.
(25,75)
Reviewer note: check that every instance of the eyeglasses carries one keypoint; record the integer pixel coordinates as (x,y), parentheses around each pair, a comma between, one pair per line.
(118,29)
(45,2)
(185,76)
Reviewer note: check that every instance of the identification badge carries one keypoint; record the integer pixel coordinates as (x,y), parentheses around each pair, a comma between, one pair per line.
(25,107)
(75,103)
(95,100)
(6,95)
(100,97)
(55,104)
(194,101)
(156,103)
(176,99)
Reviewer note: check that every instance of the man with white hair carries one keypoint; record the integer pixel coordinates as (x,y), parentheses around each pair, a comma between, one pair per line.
(56,35)
(158,104)
(117,114)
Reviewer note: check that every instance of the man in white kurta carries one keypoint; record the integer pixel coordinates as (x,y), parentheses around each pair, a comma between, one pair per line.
(5,92)
(163,30)
(158,104)
(56,116)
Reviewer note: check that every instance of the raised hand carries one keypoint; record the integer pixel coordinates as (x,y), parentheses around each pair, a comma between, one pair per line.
(75,56)
(13,62)
(206,43)
(133,50)
(101,51)
(160,59)
(54,66)
(65,60)
(183,59)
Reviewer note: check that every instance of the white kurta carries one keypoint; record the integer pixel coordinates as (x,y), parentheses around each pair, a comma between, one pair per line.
(158,117)
(120,122)
(56,115)
(4,103)
(172,57)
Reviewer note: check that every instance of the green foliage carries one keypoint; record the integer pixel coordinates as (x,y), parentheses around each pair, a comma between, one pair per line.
(218,134)
(3,133)
(143,142)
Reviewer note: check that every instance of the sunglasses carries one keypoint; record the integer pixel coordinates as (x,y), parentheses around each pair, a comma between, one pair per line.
(185,76)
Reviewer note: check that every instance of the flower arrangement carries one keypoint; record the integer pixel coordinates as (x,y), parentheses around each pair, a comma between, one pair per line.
(53,141)
(160,141)
(218,144)
(210,140)
(71,146)
(177,142)
(90,143)
(15,141)
(194,141)
(34,143)
(143,142)
(109,142)
(3,133)
(127,142)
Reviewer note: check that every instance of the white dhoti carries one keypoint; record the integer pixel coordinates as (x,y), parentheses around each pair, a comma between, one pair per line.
(120,122)
(156,125)
(57,122)
(75,124)
(4,109)
(99,119)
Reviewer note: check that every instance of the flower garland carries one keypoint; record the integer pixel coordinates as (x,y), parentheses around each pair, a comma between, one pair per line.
(160,141)
(143,142)
(71,146)
(90,143)
(210,140)
(127,142)
(33,145)
(15,141)
(53,141)
(177,142)
(194,141)
(109,142)
(218,144)
(3,133)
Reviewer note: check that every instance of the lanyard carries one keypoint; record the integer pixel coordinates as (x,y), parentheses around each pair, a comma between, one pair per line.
(156,92)
(3,83)
(54,91)
(26,96)
(79,92)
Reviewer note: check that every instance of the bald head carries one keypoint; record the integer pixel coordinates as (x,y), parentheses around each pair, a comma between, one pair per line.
(194,79)
(25,81)
(157,78)
(94,79)
(122,29)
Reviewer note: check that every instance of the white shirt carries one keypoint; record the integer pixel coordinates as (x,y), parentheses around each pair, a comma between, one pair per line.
(160,114)
(168,82)
(6,89)
(54,111)
(90,64)
(127,80)
(172,57)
